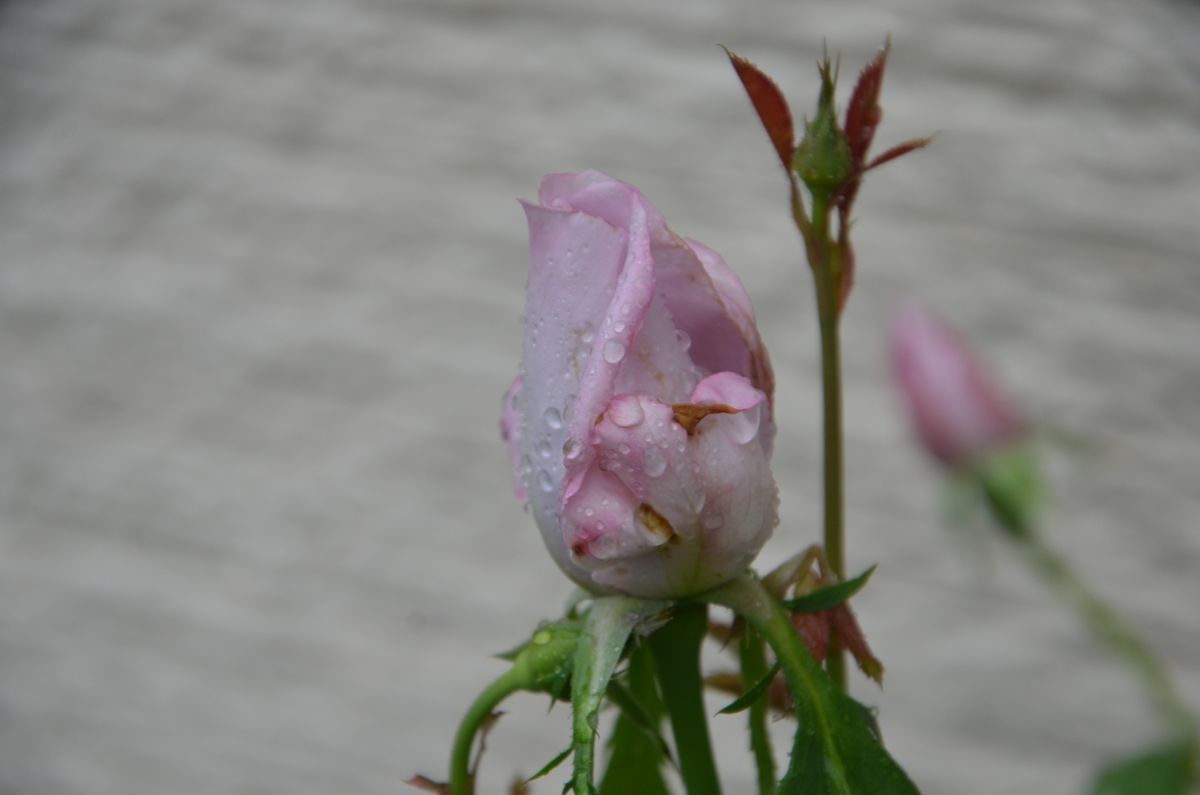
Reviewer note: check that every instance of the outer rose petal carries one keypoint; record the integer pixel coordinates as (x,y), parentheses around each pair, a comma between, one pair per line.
(575,261)
(510,432)
(958,413)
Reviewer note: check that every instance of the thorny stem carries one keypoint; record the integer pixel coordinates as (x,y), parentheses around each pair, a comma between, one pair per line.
(826,274)
(461,779)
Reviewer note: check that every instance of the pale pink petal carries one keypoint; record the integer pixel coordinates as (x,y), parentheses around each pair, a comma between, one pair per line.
(598,522)
(604,197)
(575,261)
(957,412)
(742,508)
(638,441)
(510,432)
(737,306)
(752,422)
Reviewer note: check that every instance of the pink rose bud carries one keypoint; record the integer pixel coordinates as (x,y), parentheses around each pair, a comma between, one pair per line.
(640,426)
(958,413)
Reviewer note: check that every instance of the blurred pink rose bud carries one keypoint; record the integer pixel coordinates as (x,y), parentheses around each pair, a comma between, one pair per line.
(959,415)
(640,425)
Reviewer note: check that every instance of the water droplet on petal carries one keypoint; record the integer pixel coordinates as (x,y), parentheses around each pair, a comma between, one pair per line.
(587,334)
(545,483)
(618,327)
(684,340)
(655,462)
(626,413)
(589,512)
(543,448)
(623,449)
(744,425)
(572,448)
(526,465)
(614,351)
(568,408)
(553,418)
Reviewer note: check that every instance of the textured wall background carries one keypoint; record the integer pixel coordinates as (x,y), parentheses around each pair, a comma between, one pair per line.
(260,270)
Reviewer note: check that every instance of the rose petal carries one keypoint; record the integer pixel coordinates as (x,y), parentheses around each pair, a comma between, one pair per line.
(958,413)
(510,432)
(575,261)
(757,366)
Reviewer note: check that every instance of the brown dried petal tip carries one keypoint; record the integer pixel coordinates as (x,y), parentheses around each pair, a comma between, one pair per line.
(689,414)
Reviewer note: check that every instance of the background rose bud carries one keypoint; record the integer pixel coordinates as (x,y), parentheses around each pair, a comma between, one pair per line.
(958,413)
(640,426)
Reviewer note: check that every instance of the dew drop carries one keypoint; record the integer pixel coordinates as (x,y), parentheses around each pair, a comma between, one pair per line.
(614,351)
(587,334)
(626,413)
(553,418)
(684,340)
(544,481)
(623,449)
(589,512)
(543,448)
(655,462)
(744,425)
(568,408)
(526,465)
(572,448)
(618,327)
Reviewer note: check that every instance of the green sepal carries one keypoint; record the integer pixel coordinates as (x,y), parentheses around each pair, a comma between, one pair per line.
(830,596)
(544,662)
(1012,488)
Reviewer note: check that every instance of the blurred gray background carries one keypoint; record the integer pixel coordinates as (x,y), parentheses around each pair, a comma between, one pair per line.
(261,265)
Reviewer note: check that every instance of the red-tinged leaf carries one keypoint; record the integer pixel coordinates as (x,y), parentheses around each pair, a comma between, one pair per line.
(771,106)
(429,785)
(813,629)
(900,150)
(863,114)
(845,624)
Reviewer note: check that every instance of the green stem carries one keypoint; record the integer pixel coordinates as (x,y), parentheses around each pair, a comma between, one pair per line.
(461,780)
(676,651)
(1111,629)
(754,668)
(826,274)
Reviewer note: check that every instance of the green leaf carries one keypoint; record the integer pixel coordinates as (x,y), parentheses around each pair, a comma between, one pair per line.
(747,699)
(638,748)
(830,596)
(606,628)
(549,766)
(1165,770)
